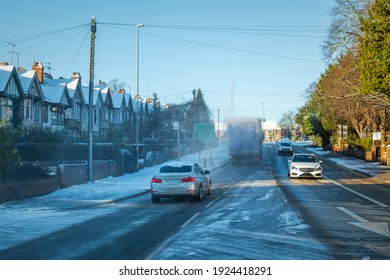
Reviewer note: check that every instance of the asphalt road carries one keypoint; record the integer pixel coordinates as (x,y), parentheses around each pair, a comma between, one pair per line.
(348,211)
(254,212)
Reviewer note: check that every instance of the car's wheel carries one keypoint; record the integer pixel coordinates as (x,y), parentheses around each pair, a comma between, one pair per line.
(155,198)
(199,197)
(209,190)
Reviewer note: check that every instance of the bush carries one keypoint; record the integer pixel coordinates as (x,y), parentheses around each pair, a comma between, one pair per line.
(365,143)
(9,158)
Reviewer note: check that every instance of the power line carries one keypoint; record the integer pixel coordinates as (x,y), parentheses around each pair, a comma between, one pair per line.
(233,49)
(119,25)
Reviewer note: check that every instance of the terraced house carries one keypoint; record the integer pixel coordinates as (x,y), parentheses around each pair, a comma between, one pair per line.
(33,99)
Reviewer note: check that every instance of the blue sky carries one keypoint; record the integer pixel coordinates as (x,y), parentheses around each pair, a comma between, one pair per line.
(271,49)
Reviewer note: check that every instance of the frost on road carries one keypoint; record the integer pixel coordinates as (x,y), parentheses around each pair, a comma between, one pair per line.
(251,221)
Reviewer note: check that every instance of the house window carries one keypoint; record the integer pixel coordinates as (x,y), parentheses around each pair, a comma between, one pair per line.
(124,116)
(85,115)
(77,111)
(57,116)
(28,109)
(116,117)
(95,116)
(36,112)
(45,114)
(74,113)
(105,116)
(68,113)
(6,111)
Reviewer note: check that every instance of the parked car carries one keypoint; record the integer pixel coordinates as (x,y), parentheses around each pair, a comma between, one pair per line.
(305,165)
(285,147)
(181,178)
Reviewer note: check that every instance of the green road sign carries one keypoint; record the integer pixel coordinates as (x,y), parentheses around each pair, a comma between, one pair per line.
(204,131)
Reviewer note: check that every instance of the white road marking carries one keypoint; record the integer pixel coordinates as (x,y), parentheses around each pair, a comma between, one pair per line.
(159,249)
(208,205)
(357,193)
(166,242)
(189,220)
(380,228)
(225,192)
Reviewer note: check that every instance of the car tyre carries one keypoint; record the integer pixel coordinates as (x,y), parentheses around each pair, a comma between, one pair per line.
(209,190)
(155,198)
(199,197)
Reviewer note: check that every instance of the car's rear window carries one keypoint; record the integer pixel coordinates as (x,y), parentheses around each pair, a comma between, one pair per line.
(175,169)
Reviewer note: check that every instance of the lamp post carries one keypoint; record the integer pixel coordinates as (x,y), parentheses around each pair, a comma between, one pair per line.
(231,100)
(137,94)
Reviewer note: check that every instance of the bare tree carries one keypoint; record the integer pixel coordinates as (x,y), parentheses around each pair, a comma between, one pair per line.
(344,32)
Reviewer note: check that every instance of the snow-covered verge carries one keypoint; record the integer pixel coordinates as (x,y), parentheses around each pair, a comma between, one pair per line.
(31,218)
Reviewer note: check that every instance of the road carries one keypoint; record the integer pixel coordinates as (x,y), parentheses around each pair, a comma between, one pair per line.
(254,212)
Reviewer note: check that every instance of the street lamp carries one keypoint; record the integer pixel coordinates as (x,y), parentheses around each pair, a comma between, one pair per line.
(231,100)
(137,94)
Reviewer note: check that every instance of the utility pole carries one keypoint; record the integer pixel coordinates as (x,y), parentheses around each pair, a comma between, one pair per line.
(90,112)
(137,87)
(263,119)
(231,99)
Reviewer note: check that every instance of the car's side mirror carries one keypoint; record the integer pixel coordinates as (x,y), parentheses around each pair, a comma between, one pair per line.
(206,172)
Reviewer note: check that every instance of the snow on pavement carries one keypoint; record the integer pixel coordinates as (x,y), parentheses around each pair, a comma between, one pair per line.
(31,218)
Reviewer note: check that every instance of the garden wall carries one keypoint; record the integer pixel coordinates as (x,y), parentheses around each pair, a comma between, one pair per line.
(67,175)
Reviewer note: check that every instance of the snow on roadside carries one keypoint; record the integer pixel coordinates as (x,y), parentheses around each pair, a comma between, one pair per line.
(371,168)
(31,218)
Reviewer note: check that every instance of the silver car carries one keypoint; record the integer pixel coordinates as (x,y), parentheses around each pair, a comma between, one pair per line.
(305,165)
(285,147)
(180,178)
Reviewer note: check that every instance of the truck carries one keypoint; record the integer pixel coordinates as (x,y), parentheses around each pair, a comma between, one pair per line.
(245,138)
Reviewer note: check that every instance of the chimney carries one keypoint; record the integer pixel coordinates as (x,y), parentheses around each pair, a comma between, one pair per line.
(76,75)
(38,68)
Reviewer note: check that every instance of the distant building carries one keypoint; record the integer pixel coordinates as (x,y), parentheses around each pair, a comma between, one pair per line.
(272,131)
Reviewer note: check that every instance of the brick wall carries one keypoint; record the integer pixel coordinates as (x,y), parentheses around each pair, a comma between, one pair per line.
(75,174)
(67,175)
(20,190)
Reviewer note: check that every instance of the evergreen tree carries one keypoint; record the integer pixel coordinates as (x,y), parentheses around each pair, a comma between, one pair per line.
(375,49)
(198,112)
(154,124)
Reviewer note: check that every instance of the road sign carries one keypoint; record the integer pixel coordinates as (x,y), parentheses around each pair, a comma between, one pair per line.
(376,136)
(204,131)
(342,131)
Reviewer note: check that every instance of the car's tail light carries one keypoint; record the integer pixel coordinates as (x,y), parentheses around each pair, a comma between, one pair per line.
(188,179)
(156,180)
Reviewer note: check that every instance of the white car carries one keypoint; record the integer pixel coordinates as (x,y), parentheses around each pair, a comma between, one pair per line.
(305,166)
(180,179)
